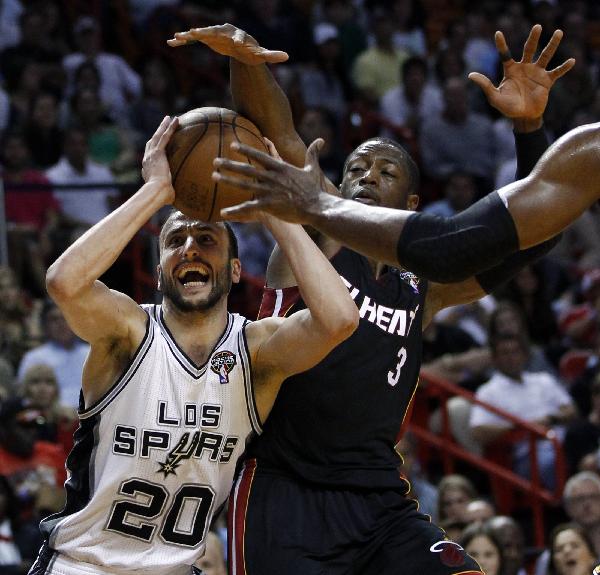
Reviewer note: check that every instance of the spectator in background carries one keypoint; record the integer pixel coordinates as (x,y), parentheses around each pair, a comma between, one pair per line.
(84,206)
(571,551)
(39,387)
(378,68)
(109,144)
(22,89)
(35,469)
(535,397)
(420,488)
(455,492)
(319,123)
(479,511)
(62,351)
(480,543)
(410,103)
(408,34)
(511,538)
(458,139)
(323,82)
(120,84)
(212,562)
(460,191)
(31,213)
(43,133)
(582,439)
(158,98)
(480,53)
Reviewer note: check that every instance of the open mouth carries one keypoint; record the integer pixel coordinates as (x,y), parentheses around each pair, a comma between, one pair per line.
(193,276)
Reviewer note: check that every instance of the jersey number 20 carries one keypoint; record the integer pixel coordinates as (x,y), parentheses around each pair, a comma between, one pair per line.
(127,517)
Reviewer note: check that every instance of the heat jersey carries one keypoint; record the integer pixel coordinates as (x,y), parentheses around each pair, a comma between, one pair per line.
(336,424)
(155,458)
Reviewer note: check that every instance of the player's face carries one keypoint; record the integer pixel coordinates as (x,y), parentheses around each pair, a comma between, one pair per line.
(376,175)
(195,269)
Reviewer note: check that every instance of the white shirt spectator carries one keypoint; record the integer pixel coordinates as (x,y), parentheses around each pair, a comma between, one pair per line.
(120,84)
(67,364)
(537,396)
(86,205)
(397,109)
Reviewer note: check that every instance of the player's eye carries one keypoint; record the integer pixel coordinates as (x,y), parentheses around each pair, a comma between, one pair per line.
(355,169)
(388,174)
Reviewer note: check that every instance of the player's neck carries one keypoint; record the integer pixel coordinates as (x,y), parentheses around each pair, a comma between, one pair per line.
(196,333)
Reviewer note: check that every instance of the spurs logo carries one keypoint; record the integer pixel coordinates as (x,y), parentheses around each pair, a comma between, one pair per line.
(178,453)
(222,363)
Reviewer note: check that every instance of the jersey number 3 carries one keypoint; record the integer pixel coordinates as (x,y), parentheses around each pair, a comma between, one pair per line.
(394,376)
(184,523)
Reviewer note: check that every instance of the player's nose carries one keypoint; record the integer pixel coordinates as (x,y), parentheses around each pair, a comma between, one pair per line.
(369,177)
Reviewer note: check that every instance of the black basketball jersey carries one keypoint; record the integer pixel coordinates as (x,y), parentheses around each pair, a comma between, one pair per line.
(337,423)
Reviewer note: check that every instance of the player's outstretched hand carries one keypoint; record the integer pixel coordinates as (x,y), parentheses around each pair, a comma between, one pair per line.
(280,189)
(229,40)
(523,92)
(155,166)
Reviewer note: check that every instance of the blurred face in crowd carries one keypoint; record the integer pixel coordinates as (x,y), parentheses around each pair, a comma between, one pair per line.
(57,328)
(455,100)
(478,510)
(460,191)
(485,552)
(510,536)
(40,386)
(76,149)
(414,81)
(571,554)
(510,357)
(583,503)
(16,154)
(454,503)
(527,281)
(45,111)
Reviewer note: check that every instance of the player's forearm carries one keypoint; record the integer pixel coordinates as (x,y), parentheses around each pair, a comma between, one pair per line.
(257,96)
(332,310)
(371,231)
(94,252)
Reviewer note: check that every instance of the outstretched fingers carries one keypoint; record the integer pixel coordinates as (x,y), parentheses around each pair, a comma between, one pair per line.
(162,128)
(549,51)
(242,168)
(261,157)
(484,83)
(243,212)
(168,132)
(502,48)
(561,70)
(531,44)
(242,183)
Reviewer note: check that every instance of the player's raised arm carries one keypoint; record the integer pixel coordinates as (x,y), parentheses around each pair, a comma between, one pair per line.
(101,316)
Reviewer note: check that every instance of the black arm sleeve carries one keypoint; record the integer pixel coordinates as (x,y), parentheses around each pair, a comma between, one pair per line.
(493,278)
(530,146)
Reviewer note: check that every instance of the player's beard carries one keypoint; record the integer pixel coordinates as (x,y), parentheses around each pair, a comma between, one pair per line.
(221,286)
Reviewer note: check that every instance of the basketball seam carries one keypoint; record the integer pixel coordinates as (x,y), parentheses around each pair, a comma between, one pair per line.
(216,184)
(191,149)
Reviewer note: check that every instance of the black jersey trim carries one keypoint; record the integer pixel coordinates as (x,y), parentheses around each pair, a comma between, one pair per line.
(248,384)
(80,485)
(126,375)
(180,356)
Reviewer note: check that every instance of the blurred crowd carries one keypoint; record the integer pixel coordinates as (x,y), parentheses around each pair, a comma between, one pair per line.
(84,84)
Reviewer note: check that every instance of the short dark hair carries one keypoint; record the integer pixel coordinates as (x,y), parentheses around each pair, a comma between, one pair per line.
(233,242)
(414,178)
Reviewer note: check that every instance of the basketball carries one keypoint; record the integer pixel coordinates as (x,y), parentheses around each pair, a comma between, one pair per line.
(204,134)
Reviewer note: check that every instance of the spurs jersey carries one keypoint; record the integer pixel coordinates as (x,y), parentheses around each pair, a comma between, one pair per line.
(154,459)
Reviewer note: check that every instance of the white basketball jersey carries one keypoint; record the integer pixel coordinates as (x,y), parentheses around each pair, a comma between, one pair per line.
(155,458)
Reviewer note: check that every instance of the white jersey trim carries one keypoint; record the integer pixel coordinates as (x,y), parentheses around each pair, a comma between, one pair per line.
(122,381)
(181,357)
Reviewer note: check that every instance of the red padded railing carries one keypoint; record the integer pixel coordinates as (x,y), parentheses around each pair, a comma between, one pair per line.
(503,480)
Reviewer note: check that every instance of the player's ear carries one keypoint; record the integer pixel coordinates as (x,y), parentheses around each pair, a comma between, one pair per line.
(236,270)
(413,202)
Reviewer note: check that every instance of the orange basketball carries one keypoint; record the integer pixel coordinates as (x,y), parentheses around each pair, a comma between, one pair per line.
(204,134)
